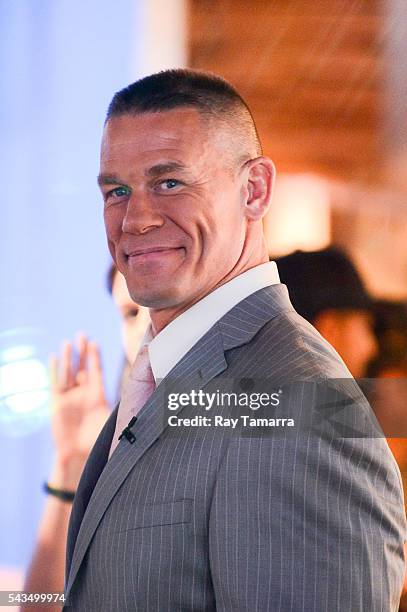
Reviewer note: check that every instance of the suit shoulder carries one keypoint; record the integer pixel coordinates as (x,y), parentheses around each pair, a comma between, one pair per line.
(289,346)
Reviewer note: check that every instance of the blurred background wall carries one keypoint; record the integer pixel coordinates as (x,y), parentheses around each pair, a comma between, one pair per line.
(328,88)
(60,63)
(327,85)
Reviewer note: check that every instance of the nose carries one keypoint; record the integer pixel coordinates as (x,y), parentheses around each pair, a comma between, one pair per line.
(141,216)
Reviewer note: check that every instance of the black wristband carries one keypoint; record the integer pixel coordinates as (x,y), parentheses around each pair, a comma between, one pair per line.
(66,496)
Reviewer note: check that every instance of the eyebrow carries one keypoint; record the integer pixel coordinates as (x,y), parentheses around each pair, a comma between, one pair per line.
(108,179)
(157,170)
(164,168)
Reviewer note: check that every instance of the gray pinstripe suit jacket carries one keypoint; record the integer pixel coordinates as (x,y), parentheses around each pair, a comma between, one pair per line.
(208,520)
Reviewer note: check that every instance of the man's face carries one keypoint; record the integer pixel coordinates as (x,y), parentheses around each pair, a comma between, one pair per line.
(174,208)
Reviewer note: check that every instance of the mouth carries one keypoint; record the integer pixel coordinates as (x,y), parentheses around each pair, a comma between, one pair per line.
(151,254)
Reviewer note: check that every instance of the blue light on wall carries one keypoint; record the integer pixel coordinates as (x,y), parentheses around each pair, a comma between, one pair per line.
(60,63)
(24,382)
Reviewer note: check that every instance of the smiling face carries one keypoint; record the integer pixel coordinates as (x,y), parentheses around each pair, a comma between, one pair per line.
(181,217)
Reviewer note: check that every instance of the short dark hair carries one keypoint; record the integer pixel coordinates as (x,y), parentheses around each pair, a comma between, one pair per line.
(390,327)
(208,93)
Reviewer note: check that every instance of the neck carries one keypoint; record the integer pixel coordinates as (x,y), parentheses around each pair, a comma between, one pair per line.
(250,257)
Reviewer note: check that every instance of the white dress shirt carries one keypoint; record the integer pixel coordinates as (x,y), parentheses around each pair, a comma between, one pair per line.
(178,337)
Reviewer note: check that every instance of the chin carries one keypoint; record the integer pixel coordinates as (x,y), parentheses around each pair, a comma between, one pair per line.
(157,298)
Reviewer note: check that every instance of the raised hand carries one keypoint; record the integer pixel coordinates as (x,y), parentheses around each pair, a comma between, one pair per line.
(79,407)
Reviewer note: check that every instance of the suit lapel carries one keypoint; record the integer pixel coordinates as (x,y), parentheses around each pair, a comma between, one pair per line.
(196,369)
(93,468)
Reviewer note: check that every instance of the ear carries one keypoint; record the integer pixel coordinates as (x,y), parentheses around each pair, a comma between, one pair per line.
(260,184)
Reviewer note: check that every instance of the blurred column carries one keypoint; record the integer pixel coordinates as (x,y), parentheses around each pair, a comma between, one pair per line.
(395,128)
(300,215)
(162,42)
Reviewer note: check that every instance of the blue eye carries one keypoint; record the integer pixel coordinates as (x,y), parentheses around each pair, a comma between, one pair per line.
(117,193)
(168,184)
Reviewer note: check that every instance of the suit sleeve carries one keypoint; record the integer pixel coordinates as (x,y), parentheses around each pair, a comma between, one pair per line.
(306,522)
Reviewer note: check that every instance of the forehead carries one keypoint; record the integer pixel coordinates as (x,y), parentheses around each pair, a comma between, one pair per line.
(179,131)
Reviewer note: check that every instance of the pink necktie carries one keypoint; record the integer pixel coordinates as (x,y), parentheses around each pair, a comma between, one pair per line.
(139,387)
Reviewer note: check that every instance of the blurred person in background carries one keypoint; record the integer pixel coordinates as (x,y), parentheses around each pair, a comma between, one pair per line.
(79,411)
(134,320)
(390,328)
(389,371)
(327,290)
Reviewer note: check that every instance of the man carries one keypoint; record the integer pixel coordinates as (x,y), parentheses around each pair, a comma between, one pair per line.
(178,517)
(326,289)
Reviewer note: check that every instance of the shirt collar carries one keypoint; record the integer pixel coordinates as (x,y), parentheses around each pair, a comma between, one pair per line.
(178,337)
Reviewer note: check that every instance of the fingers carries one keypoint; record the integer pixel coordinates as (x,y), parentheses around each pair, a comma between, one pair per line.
(81,373)
(95,377)
(61,369)
(66,374)
(82,347)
